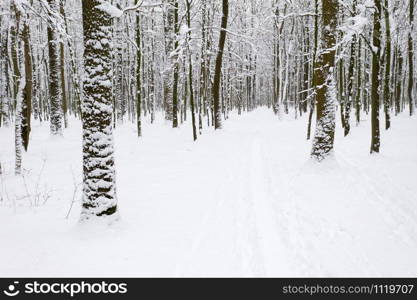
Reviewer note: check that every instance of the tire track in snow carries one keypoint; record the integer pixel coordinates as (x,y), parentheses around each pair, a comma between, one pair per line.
(232,209)
(274,254)
(206,232)
(246,223)
(294,224)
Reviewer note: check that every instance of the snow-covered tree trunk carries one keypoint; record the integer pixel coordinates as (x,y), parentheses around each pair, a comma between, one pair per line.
(315,46)
(169,13)
(175,66)
(202,99)
(99,187)
(4,98)
(75,80)
(218,67)
(276,79)
(118,69)
(4,71)
(399,76)
(54,75)
(387,82)
(411,70)
(14,45)
(27,92)
(324,80)
(190,70)
(350,80)
(359,92)
(138,74)
(18,124)
(21,83)
(62,68)
(376,83)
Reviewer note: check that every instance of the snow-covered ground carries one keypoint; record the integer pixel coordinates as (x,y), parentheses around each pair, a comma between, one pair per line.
(243,201)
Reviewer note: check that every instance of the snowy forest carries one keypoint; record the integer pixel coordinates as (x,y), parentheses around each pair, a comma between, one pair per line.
(208,138)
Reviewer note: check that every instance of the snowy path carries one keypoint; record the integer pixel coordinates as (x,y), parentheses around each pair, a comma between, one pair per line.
(244,201)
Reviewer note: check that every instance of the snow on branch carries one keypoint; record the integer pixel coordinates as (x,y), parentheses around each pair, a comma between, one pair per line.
(111,10)
(142,5)
(115,12)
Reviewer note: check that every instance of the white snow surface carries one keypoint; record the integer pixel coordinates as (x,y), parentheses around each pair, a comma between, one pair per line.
(242,201)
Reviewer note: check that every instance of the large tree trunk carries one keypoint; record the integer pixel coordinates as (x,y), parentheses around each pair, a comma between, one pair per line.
(190,71)
(359,92)
(411,60)
(4,86)
(62,69)
(349,96)
(20,83)
(316,34)
(277,64)
(387,85)
(138,74)
(169,47)
(176,70)
(218,68)
(399,77)
(99,187)
(27,92)
(325,95)
(76,106)
(54,75)
(119,97)
(203,63)
(14,43)
(18,120)
(375,93)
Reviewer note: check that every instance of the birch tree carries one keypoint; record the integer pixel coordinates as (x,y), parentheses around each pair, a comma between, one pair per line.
(21,83)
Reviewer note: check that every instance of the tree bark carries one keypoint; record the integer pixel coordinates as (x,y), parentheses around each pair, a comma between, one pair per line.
(387,86)
(313,100)
(169,47)
(27,92)
(375,93)
(176,70)
(411,60)
(99,187)
(138,74)
(359,85)
(349,96)
(54,75)
(325,127)
(62,69)
(218,67)
(190,70)
(20,85)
